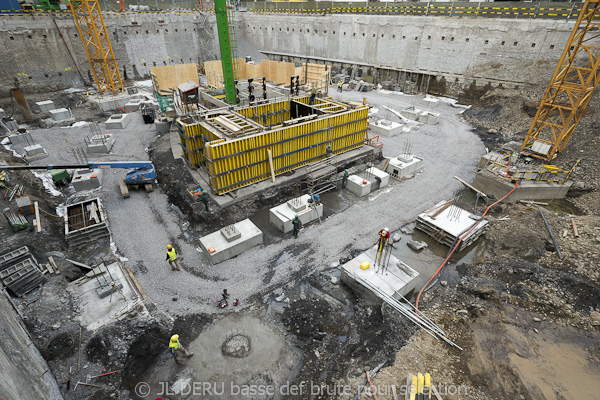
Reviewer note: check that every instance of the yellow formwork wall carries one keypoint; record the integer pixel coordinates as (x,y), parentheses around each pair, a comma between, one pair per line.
(262,109)
(190,136)
(236,163)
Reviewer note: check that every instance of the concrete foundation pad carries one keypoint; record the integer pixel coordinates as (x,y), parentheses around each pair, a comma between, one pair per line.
(35,152)
(132,105)
(117,121)
(100,144)
(445,223)
(411,113)
(282,215)
(98,311)
(490,183)
(357,185)
(397,280)
(86,179)
(20,138)
(218,248)
(382,177)
(46,106)
(386,130)
(60,114)
(404,166)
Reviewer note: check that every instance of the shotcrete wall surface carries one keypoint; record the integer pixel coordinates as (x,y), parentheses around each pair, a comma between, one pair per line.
(25,374)
(33,52)
(511,50)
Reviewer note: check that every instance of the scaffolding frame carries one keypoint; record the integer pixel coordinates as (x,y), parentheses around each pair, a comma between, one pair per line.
(570,89)
(93,34)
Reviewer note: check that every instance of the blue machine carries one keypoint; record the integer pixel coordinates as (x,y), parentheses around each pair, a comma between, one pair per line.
(140,176)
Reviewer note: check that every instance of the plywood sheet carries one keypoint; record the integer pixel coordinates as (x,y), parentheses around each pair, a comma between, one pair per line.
(167,77)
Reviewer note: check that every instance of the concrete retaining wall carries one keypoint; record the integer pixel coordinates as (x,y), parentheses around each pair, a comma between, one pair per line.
(519,51)
(34,54)
(24,375)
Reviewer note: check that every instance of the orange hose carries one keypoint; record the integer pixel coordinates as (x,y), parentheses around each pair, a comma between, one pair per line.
(456,246)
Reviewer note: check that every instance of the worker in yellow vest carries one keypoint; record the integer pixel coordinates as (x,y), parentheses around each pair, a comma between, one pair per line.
(177,349)
(172,258)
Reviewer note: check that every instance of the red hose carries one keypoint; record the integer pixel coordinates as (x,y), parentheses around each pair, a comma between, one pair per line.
(456,246)
(127,112)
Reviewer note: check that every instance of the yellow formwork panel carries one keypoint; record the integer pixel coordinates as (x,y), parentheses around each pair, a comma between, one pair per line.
(240,162)
(254,111)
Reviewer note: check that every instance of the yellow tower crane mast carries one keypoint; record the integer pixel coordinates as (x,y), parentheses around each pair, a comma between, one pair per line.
(90,24)
(570,89)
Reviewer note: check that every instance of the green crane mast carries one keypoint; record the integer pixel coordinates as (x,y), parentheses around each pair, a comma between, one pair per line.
(225,48)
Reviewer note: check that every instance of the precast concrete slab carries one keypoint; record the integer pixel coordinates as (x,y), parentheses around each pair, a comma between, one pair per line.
(96,311)
(396,280)
(386,129)
(100,143)
(382,177)
(445,223)
(404,166)
(358,185)
(86,179)
(220,247)
(282,215)
(489,183)
(45,106)
(60,114)
(117,121)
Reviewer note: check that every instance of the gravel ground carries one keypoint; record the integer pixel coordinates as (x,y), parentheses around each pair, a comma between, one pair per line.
(144,224)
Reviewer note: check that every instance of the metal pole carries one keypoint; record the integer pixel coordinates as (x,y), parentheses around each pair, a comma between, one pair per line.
(551,234)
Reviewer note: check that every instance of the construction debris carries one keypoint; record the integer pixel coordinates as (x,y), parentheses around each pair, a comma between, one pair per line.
(19,271)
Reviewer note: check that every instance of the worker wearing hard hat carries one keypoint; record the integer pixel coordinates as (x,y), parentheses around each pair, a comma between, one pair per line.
(177,349)
(345,178)
(205,200)
(172,258)
(297,224)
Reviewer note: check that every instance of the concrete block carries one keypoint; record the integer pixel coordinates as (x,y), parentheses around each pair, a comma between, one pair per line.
(231,233)
(35,152)
(132,105)
(410,113)
(60,114)
(100,144)
(21,138)
(46,106)
(218,248)
(357,185)
(108,290)
(152,104)
(429,118)
(387,130)
(298,204)
(86,179)
(282,215)
(404,166)
(382,177)
(117,121)
(10,123)
(430,104)
(417,245)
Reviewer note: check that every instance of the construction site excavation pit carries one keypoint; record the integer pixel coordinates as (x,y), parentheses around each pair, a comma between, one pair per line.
(301,201)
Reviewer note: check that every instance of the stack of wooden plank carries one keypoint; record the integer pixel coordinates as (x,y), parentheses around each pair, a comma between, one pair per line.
(19,271)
